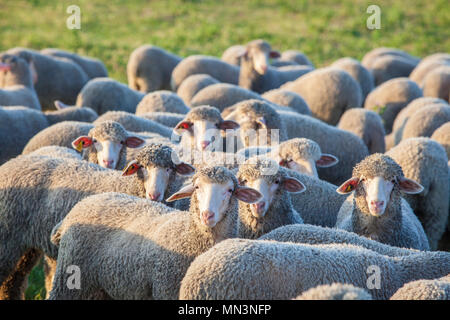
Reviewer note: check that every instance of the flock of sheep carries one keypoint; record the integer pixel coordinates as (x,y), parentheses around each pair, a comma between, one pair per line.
(253,176)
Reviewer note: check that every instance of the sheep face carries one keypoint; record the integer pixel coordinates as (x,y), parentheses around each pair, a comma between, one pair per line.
(257,54)
(17,70)
(375,179)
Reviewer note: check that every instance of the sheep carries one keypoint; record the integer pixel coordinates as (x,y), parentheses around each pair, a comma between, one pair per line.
(57,78)
(201,129)
(149,236)
(257,115)
(289,99)
(274,208)
(61,134)
(376,210)
(425,121)
(64,112)
(199,64)
(403,116)
(106,144)
(232,55)
(167,119)
(52,186)
(367,125)
(16,79)
(298,154)
(262,269)
(427,65)
(437,83)
(442,135)
(316,235)
(295,56)
(94,68)
(256,75)
(163,172)
(134,123)
(193,84)
(358,72)
(105,94)
(425,161)
(390,98)
(20,124)
(329,92)
(432,289)
(149,68)
(57,152)
(335,291)
(161,101)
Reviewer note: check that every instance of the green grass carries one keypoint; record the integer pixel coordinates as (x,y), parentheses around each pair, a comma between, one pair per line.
(325,30)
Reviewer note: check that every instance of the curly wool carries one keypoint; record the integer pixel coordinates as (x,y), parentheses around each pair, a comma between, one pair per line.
(161,101)
(193,84)
(280,212)
(207,113)
(335,291)
(299,148)
(442,135)
(434,289)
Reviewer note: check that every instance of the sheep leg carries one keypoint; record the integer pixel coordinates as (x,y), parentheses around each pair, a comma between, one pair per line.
(13,287)
(49,271)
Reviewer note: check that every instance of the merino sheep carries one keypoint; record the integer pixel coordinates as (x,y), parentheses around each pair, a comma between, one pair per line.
(256,74)
(16,78)
(403,116)
(258,115)
(134,123)
(274,209)
(427,65)
(148,237)
(437,83)
(94,68)
(329,92)
(167,119)
(52,186)
(442,135)
(199,64)
(390,98)
(105,94)
(57,78)
(106,144)
(358,72)
(432,289)
(367,125)
(262,269)
(425,121)
(298,154)
(289,99)
(425,161)
(149,68)
(57,152)
(335,291)
(376,210)
(61,134)
(193,84)
(161,101)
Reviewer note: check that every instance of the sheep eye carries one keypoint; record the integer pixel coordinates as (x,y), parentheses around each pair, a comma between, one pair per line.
(94,140)
(196,187)
(168,169)
(230,190)
(277,181)
(243,182)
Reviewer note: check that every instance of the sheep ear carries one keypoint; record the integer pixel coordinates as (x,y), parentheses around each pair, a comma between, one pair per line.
(274,54)
(228,124)
(248,195)
(183,125)
(60,105)
(131,168)
(242,53)
(409,186)
(82,142)
(184,169)
(293,185)
(327,160)
(348,186)
(134,142)
(262,122)
(185,192)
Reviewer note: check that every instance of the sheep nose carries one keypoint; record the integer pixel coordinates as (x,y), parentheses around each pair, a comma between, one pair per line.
(5,66)
(155,196)
(108,163)
(264,69)
(377,203)
(205,144)
(207,217)
(259,207)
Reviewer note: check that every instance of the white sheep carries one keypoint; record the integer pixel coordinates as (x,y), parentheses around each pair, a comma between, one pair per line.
(161,101)
(193,84)
(162,245)
(335,291)
(376,210)
(432,289)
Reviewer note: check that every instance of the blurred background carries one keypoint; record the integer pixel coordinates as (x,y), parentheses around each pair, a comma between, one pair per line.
(324,30)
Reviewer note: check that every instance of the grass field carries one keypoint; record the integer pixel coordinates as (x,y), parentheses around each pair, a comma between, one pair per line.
(325,30)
